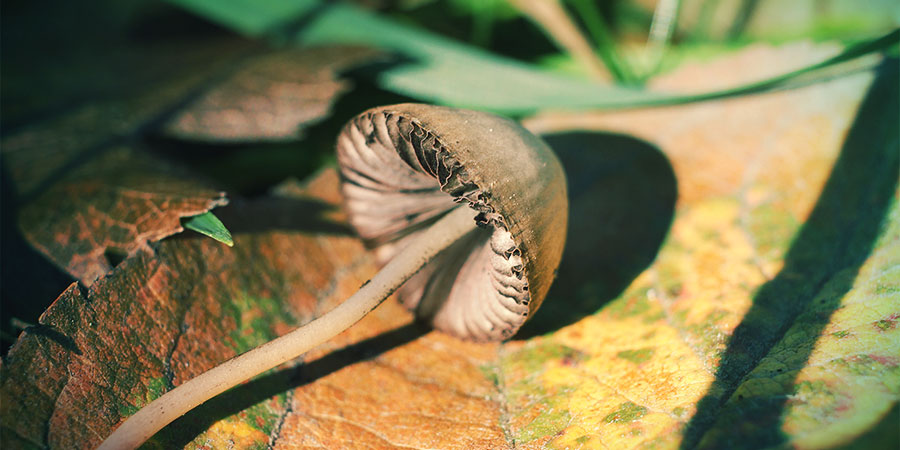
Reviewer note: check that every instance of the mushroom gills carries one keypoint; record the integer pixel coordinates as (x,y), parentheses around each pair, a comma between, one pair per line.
(398,179)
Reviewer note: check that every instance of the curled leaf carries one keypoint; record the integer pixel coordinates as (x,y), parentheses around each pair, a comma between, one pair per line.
(110,208)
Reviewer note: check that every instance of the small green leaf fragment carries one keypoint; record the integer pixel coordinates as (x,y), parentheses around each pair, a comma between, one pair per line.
(210,225)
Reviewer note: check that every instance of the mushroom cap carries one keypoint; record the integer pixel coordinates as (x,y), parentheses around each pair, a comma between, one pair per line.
(405,166)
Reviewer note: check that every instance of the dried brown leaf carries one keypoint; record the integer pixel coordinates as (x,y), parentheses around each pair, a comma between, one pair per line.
(271,97)
(110,208)
(156,321)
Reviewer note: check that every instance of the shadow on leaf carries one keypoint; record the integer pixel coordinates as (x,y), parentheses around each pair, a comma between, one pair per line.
(286,214)
(188,427)
(835,241)
(622,195)
(29,282)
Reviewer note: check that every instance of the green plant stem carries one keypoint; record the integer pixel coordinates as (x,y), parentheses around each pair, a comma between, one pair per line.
(173,404)
(606,45)
(482,25)
(703,24)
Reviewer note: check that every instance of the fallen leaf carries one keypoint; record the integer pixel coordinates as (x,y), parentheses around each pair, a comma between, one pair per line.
(86,197)
(784,232)
(157,320)
(271,97)
(93,201)
(110,208)
(107,93)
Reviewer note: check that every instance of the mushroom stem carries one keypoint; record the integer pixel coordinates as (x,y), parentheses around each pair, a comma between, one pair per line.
(160,412)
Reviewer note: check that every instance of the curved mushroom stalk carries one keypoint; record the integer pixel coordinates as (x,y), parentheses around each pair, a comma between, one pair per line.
(477,270)
(175,403)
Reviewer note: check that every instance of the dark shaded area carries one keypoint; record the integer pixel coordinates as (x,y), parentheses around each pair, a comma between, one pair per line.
(622,195)
(180,432)
(29,282)
(884,435)
(50,332)
(44,73)
(514,37)
(59,55)
(251,169)
(837,237)
(114,256)
(266,214)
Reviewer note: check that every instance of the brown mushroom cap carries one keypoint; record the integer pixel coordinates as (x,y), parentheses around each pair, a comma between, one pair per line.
(404,166)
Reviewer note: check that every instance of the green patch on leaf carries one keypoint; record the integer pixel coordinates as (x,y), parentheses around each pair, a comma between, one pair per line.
(156,387)
(636,356)
(868,365)
(264,415)
(806,388)
(630,305)
(882,289)
(255,319)
(886,324)
(772,228)
(627,412)
(210,225)
(547,424)
(526,366)
(491,372)
(841,334)
(532,357)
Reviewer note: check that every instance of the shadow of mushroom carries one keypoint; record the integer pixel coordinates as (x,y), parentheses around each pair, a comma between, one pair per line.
(282,214)
(622,194)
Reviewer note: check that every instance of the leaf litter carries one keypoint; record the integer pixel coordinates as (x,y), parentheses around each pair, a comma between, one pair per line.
(646,368)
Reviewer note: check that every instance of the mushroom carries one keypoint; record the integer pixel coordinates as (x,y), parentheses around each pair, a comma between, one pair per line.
(469,207)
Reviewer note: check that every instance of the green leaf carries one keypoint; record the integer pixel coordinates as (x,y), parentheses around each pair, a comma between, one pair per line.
(249,17)
(451,73)
(210,225)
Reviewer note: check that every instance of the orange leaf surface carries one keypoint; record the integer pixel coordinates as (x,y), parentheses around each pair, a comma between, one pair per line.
(786,222)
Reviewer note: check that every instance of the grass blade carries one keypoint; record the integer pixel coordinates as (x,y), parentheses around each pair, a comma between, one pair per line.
(443,71)
(606,46)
